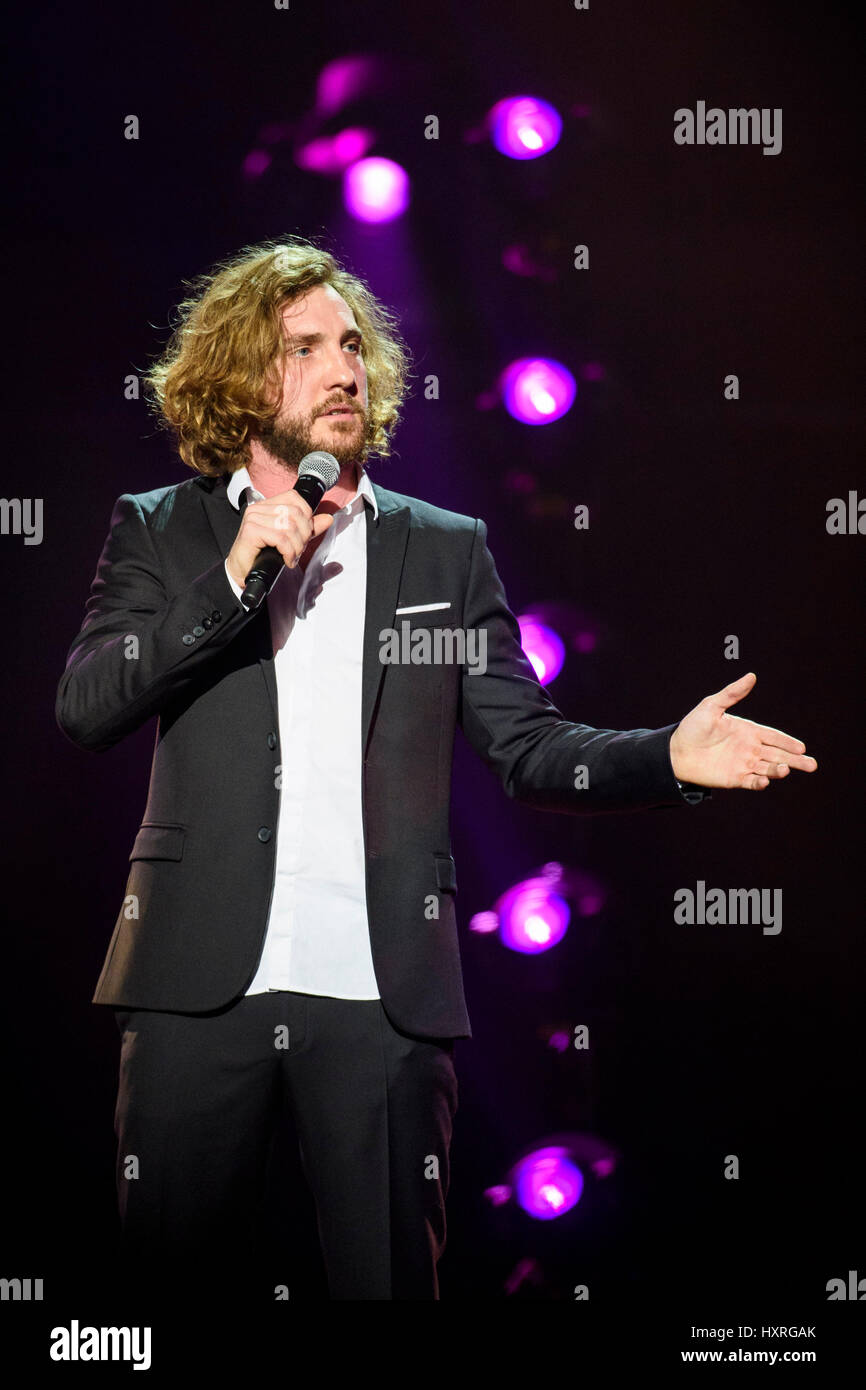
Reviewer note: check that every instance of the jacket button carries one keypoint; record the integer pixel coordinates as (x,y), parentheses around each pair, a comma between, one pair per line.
(187,639)
(216,615)
(198,631)
(206,623)
(272,741)
(264,834)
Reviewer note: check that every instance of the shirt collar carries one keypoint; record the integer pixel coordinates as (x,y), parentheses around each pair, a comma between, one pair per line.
(240,481)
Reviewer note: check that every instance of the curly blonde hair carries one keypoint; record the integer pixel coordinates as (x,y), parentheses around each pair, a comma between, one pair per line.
(217,384)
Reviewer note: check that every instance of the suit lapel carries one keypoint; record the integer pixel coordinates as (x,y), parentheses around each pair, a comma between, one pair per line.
(387,536)
(386,548)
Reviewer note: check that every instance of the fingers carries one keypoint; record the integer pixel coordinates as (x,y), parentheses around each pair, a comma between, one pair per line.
(277,511)
(730,694)
(289,537)
(774,754)
(780,740)
(784,754)
(755,783)
(290,498)
(767,769)
(286,525)
(291,543)
(760,777)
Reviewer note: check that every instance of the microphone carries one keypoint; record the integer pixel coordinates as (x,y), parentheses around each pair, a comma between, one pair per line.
(318,472)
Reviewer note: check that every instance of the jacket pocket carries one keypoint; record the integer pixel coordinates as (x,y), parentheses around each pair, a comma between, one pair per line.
(159,842)
(446,873)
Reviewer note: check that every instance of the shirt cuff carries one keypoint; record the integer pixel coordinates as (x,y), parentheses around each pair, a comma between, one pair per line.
(238,592)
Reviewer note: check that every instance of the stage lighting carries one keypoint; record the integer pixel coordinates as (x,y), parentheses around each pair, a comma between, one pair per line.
(255,164)
(524,127)
(331,154)
(532,918)
(376,190)
(346,80)
(547,1183)
(484,922)
(537,390)
(543,646)
(498,1196)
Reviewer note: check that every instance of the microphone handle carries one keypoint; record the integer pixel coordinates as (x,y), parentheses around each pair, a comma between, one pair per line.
(269,562)
(262,577)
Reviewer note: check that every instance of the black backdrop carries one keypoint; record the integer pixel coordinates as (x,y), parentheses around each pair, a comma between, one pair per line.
(707,518)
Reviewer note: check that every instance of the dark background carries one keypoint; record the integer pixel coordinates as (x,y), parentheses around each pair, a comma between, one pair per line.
(707,518)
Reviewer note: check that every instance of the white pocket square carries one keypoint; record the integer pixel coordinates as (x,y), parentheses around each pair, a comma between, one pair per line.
(423,607)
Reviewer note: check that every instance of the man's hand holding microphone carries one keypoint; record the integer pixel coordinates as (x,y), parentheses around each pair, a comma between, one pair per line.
(277,530)
(285,522)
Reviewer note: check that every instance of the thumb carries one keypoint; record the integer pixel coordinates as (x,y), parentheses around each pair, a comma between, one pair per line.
(737,690)
(321,523)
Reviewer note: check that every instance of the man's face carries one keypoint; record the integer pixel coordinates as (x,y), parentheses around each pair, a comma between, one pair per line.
(324,401)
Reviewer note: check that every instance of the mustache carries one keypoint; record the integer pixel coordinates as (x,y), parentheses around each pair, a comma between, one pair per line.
(352,403)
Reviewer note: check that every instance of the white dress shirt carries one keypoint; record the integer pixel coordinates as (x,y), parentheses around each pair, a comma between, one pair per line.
(318,935)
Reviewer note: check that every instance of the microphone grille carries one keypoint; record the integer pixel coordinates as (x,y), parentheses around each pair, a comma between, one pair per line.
(320,464)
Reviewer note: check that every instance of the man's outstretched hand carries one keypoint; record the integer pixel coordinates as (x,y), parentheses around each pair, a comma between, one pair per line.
(715,749)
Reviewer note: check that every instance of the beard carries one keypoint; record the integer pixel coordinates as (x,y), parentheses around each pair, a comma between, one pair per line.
(290,440)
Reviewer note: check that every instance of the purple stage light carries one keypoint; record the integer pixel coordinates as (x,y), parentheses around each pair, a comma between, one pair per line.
(484,922)
(318,156)
(520,261)
(256,163)
(524,127)
(532,918)
(537,390)
(527,1273)
(351,143)
(499,1195)
(331,154)
(547,1183)
(543,646)
(603,1167)
(376,190)
(342,81)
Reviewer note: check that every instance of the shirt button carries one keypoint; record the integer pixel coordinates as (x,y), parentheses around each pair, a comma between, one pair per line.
(198,631)
(264,834)
(187,639)
(272,740)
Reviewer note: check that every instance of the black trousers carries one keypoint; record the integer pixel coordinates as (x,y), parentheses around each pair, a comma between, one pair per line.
(198,1100)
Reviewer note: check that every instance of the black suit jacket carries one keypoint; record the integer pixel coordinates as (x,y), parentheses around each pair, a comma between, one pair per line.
(164,635)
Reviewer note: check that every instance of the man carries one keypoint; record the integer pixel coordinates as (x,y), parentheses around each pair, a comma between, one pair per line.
(288,928)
